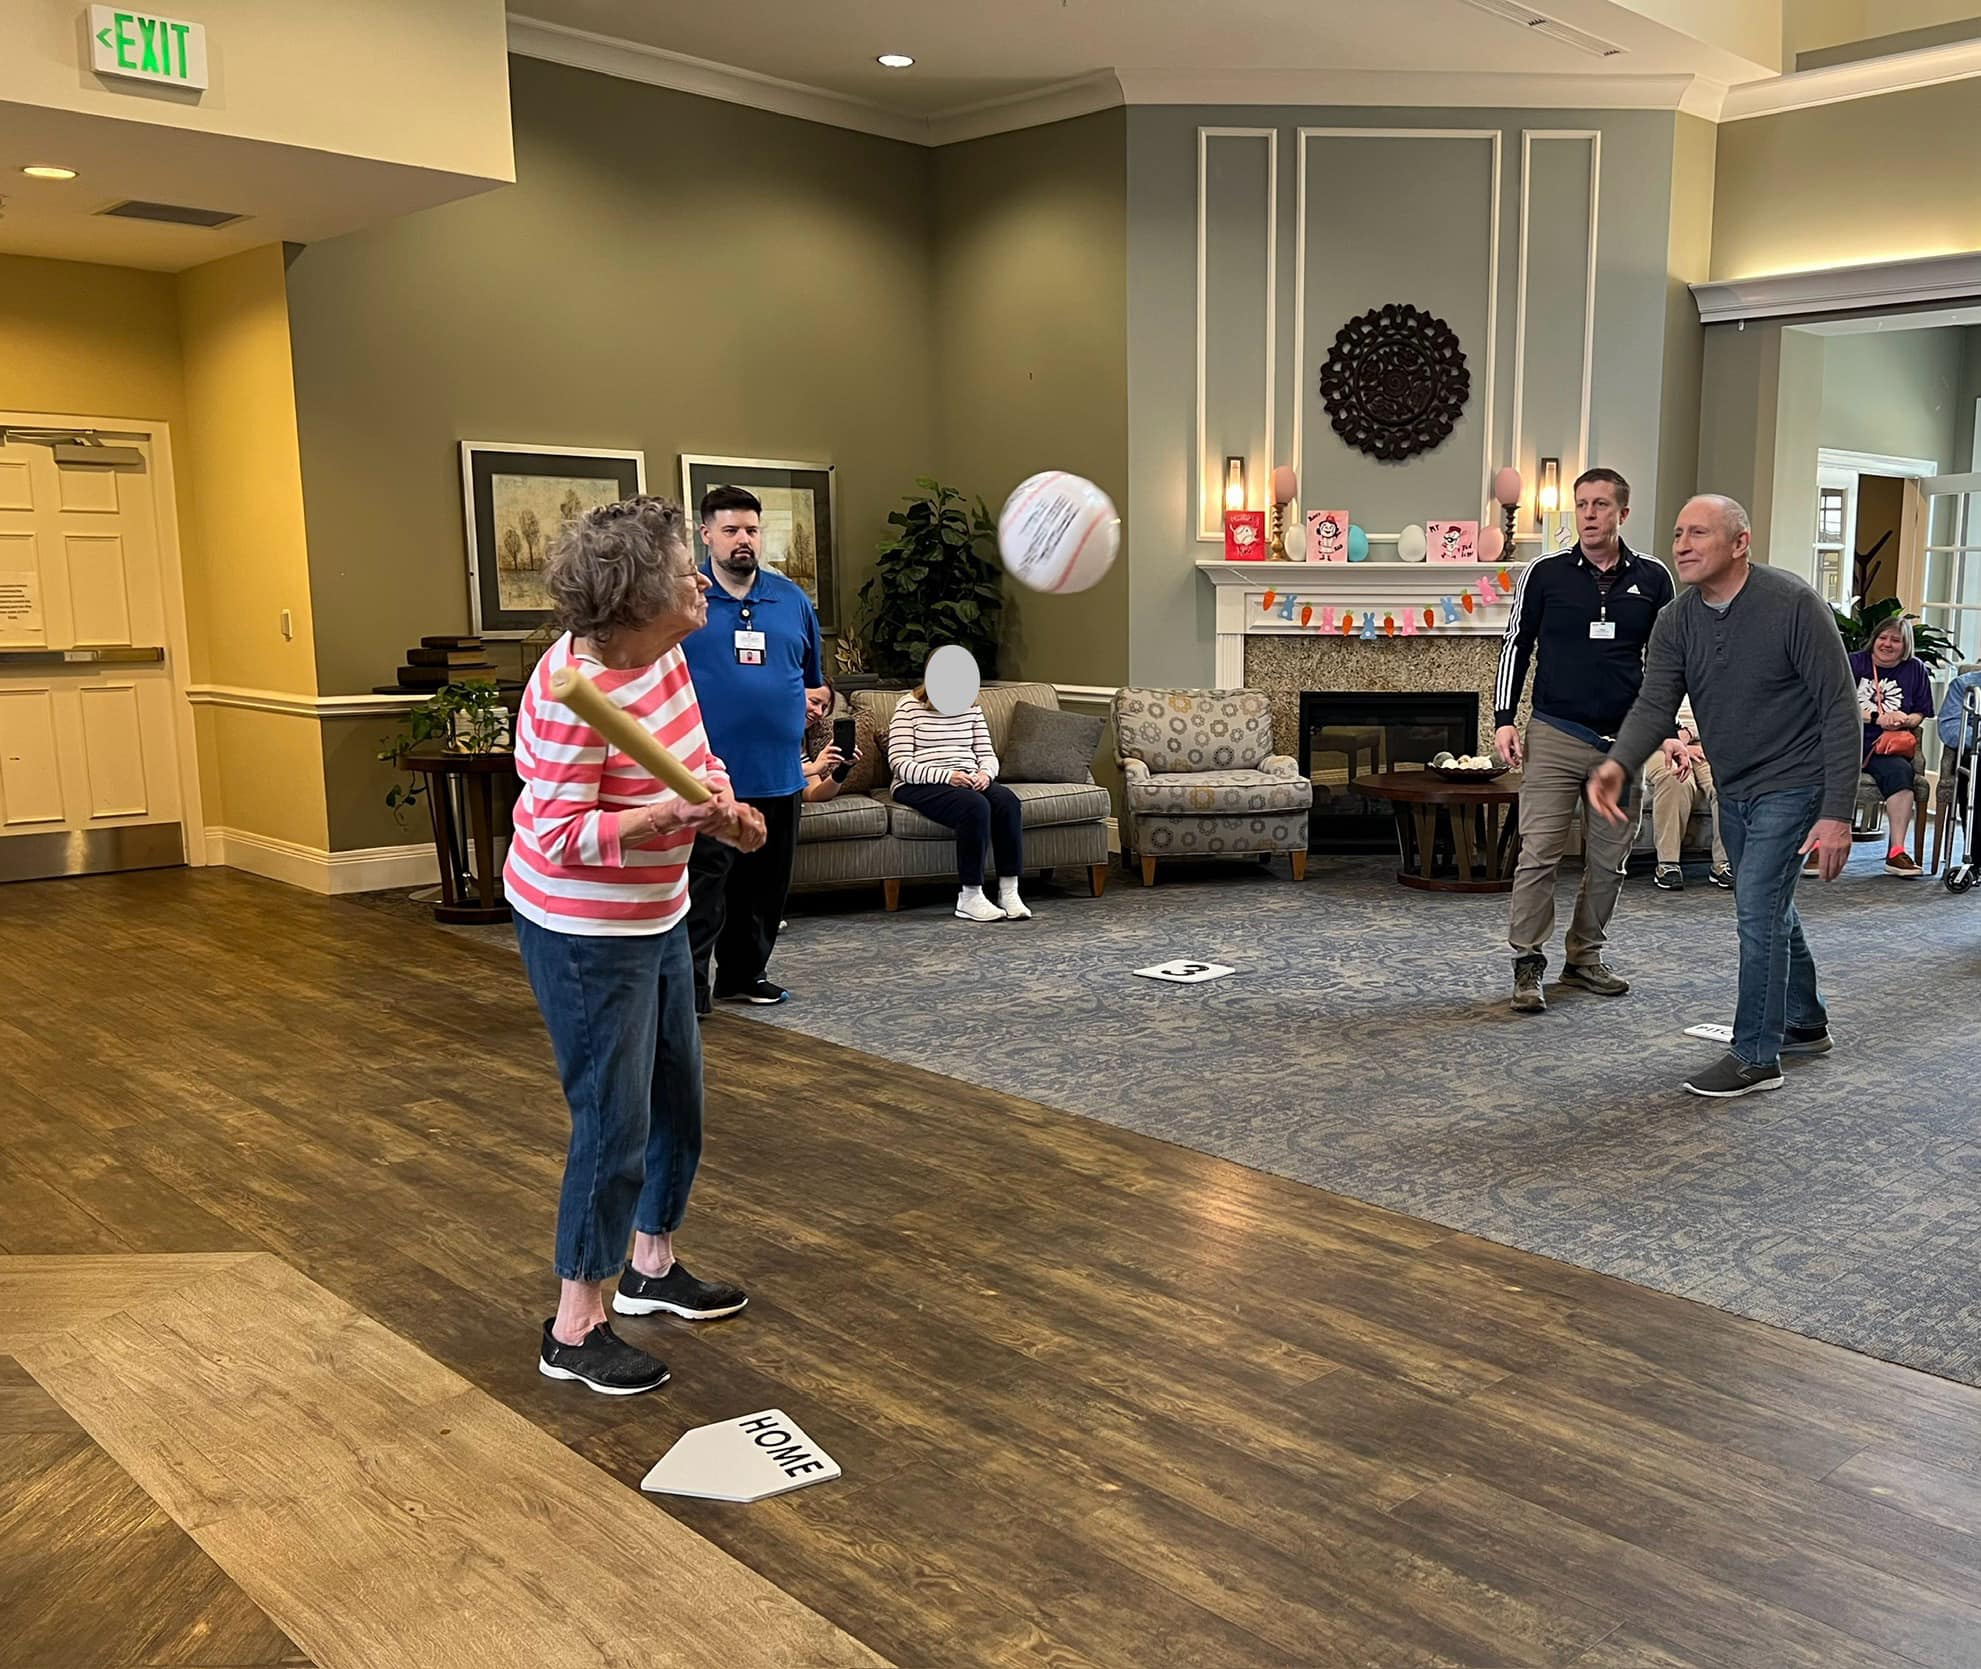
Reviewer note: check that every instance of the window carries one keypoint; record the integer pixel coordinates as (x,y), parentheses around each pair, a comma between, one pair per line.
(1831,542)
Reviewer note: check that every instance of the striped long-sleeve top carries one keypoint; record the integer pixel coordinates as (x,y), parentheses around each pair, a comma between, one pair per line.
(926,746)
(569,870)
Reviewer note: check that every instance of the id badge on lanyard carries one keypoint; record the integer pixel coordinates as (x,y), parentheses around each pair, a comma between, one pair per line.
(750,644)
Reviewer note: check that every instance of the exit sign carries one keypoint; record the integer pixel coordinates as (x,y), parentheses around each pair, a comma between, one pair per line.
(142,47)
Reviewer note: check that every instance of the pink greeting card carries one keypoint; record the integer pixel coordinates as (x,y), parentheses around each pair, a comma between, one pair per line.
(1327,535)
(1453,541)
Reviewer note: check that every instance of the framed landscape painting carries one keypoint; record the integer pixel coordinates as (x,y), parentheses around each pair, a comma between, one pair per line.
(516,499)
(800,518)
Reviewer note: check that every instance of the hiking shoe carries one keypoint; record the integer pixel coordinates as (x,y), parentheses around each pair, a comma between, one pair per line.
(1730,1075)
(1799,1040)
(1594,976)
(1899,862)
(676,1293)
(1668,877)
(602,1361)
(761,992)
(1722,877)
(1527,994)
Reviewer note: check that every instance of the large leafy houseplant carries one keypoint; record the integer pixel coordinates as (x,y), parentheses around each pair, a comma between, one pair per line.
(937,581)
(1860,625)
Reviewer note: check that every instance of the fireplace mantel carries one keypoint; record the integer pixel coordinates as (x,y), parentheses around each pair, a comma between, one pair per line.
(1342,586)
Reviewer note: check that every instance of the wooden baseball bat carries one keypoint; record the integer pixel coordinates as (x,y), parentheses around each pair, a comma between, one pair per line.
(623,731)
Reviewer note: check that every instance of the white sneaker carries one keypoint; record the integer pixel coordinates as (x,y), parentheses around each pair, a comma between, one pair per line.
(1011,904)
(971,905)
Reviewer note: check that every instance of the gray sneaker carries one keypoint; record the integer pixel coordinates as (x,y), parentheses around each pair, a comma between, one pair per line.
(1594,976)
(1527,995)
(1798,1042)
(1730,1076)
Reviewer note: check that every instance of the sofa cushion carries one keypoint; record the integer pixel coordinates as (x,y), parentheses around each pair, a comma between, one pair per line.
(1218,794)
(1041,805)
(1194,730)
(843,817)
(1048,745)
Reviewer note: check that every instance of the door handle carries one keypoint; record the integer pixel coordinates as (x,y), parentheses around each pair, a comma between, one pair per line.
(107,654)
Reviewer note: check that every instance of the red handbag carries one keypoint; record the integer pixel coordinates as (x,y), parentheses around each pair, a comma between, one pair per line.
(1904,744)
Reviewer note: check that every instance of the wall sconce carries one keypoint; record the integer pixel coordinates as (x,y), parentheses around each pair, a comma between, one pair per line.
(1234,483)
(1548,501)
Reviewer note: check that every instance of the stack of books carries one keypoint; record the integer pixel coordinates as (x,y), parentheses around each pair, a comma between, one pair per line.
(446,660)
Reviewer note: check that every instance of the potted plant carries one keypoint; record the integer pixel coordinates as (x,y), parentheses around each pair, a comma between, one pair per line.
(937,581)
(461,718)
(1860,625)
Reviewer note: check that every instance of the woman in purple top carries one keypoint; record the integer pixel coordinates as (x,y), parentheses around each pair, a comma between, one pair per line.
(1896,698)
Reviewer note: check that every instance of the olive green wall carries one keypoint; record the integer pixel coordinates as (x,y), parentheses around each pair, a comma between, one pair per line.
(1031,354)
(669,273)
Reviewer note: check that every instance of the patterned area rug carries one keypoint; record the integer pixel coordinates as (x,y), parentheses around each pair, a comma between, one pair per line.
(1364,1046)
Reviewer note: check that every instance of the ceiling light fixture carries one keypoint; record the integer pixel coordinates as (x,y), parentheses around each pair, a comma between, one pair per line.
(895,61)
(48,171)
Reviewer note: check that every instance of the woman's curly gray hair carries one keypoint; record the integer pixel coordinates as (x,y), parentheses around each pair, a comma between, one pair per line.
(617,566)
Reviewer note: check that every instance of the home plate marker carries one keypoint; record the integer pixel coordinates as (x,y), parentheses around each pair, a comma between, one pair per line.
(1712,1034)
(1186,973)
(741,1460)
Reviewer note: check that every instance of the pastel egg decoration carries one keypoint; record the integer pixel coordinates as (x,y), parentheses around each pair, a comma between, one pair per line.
(1412,544)
(1492,544)
(1506,486)
(1358,543)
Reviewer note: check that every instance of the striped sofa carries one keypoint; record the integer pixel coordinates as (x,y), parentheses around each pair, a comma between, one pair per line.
(862,835)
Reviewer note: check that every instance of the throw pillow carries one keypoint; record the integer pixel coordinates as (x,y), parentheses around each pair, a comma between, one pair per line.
(1047,745)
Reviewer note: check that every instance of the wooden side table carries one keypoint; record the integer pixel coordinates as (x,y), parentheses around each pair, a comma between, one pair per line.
(458,783)
(1451,836)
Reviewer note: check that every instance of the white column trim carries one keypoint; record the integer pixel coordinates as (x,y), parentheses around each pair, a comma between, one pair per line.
(1206,531)
(1494,137)
(1527,138)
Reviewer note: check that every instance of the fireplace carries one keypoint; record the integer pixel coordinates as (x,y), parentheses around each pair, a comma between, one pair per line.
(1345,734)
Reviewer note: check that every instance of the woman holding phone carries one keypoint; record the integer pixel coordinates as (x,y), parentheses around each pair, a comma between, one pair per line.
(830,750)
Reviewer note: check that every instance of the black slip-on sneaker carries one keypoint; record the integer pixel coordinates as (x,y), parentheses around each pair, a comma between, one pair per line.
(602,1361)
(762,992)
(1722,877)
(1730,1076)
(1797,1041)
(1668,877)
(676,1293)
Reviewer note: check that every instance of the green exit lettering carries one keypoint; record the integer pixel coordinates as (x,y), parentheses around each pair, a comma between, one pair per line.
(146,47)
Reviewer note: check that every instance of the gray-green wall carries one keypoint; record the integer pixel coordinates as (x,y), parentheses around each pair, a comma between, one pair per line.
(1395,219)
(1031,354)
(670,273)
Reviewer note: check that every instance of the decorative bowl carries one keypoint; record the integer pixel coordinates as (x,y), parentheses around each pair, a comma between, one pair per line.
(1455,773)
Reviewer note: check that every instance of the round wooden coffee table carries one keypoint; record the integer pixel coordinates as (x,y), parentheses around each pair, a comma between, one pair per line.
(1451,836)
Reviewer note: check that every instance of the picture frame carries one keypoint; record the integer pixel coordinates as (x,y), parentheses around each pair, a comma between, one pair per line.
(800,519)
(514,497)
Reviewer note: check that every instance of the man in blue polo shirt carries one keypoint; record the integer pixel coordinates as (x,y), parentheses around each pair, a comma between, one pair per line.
(751,664)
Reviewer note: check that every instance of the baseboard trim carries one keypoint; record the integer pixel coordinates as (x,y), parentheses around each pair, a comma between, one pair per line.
(366,869)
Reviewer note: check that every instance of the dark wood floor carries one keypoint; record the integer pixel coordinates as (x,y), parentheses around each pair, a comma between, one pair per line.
(1100,1401)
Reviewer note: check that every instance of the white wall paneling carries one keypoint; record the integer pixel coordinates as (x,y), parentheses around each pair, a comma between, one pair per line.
(1225,269)
(1555,202)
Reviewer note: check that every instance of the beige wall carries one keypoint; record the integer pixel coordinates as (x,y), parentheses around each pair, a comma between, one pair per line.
(668,273)
(422,84)
(1031,354)
(1688,261)
(1877,179)
(242,480)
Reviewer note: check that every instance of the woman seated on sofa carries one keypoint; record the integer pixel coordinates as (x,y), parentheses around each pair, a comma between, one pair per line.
(822,758)
(1896,698)
(943,766)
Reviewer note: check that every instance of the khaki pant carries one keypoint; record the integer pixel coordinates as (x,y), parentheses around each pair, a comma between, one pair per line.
(1551,797)
(1673,803)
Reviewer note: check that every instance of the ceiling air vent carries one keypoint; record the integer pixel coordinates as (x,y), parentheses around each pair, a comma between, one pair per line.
(1540,23)
(172,214)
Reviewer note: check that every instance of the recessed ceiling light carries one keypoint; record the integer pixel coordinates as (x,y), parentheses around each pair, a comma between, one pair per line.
(895,61)
(48,171)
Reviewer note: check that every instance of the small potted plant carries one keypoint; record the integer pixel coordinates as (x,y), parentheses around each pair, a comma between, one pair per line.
(457,718)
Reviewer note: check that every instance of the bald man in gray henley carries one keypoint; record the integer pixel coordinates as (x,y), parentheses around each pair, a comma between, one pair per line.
(1759,654)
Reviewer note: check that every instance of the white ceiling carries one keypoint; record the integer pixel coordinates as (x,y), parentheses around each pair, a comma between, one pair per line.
(970,52)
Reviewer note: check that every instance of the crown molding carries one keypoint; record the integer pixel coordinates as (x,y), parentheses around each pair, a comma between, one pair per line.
(1394,89)
(1840,289)
(1902,72)
(530,37)
(1058,103)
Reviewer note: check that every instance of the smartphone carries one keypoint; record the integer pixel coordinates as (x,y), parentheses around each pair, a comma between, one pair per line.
(845,737)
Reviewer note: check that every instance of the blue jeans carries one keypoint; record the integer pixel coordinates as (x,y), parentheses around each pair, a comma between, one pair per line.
(994,814)
(621,1016)
(1764,839)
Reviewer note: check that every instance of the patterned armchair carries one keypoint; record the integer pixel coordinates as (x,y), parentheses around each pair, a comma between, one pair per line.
(1200,779)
